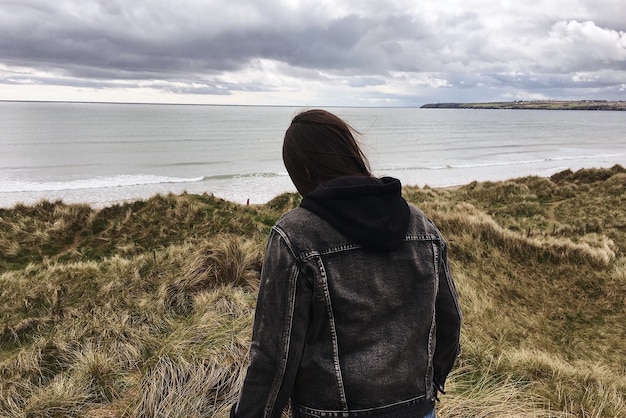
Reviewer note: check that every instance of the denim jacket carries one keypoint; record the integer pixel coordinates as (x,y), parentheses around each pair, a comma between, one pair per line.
(346,331)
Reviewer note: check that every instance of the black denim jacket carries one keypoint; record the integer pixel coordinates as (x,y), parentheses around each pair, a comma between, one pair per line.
(345,331)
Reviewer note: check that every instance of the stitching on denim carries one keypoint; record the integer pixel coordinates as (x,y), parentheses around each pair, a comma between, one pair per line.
(430,368)
(322,412)
(333,331)
(422,237)
(285,238)
(340,248)
(269,407)
(307,255)
(452,287)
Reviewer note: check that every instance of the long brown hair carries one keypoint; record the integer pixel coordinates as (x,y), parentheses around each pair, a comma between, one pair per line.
(320,146)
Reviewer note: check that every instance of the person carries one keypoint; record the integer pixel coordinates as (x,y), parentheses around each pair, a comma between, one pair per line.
(357,314)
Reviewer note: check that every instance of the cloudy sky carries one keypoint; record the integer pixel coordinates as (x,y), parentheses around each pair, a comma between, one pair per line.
(312,52)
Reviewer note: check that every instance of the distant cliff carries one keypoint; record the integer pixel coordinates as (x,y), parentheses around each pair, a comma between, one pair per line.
(535,104)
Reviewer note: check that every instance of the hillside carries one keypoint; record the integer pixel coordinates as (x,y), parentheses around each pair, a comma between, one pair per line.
(145,309)
(535,105)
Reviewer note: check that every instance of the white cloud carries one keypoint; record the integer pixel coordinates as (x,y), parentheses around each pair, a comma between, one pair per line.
(584,40)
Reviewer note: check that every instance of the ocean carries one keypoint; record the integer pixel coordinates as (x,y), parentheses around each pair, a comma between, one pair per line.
(102,154)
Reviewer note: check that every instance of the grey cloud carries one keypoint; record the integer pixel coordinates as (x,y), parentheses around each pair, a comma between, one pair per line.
(107,42)
(204,89)
(562,82)
(391,48)
(59,41)
(367,81)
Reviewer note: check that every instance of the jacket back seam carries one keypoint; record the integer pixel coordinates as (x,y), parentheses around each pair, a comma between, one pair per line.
(428,379)
(309,254)
(293,277)
(333,331)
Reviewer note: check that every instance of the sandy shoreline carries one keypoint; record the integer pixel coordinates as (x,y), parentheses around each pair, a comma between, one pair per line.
(242,192)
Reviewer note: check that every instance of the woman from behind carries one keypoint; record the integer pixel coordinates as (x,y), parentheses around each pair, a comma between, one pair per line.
(357,314)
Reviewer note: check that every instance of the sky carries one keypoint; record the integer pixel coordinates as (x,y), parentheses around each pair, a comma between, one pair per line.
(312,52)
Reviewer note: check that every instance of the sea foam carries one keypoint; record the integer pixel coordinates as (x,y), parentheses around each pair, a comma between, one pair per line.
(12,186)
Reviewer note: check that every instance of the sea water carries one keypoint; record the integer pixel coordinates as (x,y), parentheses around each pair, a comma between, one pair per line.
(103,154)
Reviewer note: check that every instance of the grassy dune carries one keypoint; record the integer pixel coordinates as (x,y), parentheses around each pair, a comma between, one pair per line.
(145,309)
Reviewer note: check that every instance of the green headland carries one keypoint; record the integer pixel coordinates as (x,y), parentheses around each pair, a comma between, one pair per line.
(535,104)
(145,309)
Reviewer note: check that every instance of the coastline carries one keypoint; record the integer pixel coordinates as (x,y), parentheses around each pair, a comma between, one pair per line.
(101,198)
(103,155)
(605,105)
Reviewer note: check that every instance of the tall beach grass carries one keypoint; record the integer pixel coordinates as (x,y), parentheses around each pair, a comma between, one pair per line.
(145,309)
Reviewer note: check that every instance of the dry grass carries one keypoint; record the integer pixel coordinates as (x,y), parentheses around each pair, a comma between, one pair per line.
(488,394)
(145,309)
(598,251)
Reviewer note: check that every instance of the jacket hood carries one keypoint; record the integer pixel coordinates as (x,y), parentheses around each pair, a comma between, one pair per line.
(369,210)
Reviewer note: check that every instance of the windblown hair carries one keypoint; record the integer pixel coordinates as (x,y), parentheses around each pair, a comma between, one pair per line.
(320,146)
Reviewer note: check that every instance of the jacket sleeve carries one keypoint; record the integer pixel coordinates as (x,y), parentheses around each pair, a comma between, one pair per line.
(280,323)
(448,323)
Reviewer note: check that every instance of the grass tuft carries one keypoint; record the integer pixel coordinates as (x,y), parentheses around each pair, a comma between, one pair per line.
(145,309)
